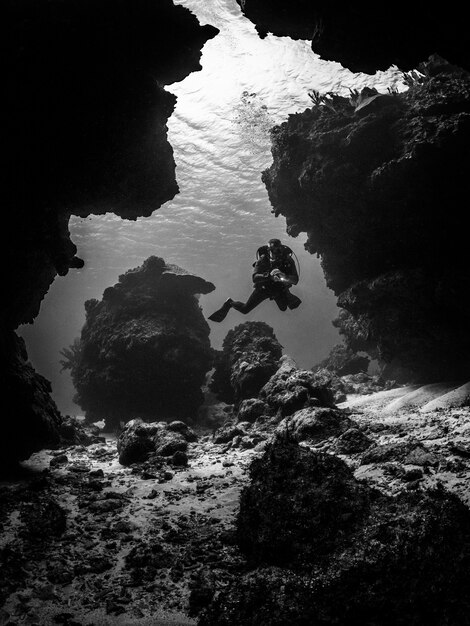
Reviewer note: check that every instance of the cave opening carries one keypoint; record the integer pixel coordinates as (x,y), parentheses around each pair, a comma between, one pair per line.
(219,132)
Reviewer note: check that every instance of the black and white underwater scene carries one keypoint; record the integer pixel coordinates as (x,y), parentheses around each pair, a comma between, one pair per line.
(235,327)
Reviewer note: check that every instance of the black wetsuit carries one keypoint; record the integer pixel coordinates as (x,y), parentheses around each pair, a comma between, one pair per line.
(265,287)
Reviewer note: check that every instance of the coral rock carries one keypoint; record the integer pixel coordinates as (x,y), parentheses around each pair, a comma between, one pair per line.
(316,424)
(291,389)
(376,190)
(249,358)
(144,350)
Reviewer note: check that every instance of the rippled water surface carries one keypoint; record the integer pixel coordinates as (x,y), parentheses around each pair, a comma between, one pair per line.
(220,136)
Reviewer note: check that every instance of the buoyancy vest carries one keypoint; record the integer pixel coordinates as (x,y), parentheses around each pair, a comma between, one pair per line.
(285,263)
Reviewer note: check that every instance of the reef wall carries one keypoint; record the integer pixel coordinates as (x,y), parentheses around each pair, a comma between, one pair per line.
(378,182)
(144,350)
(86,113)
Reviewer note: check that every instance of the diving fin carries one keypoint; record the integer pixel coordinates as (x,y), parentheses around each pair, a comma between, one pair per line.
(221,314)
(293,301)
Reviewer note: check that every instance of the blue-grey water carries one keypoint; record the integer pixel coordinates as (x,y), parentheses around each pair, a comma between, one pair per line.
(220,136)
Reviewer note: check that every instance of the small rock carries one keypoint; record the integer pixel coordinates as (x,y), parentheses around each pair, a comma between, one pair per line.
(148,475)
(421,456)
(414,474)
(414,484)
(352,441)
(460,448)
(97,473)
(79,468)
(60,459)
(182,428)
(180,458)
(224,434)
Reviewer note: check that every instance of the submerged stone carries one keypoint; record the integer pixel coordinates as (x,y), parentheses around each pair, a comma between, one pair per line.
(250,356)
(140,440)
(327,549)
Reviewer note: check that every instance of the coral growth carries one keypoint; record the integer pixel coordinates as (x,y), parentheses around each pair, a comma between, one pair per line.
(249,357)
(377,181)
(144,350)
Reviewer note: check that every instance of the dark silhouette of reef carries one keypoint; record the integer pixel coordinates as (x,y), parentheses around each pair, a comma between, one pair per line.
(325,548)
(363,38)
(33,420)
(85,133)
(249,357)
(379,182)
(144,350)
(266,387)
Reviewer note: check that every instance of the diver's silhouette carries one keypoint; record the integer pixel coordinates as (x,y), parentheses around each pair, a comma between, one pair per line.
(273,275)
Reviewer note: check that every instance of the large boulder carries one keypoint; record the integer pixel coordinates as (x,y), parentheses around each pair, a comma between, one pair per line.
(316,424)
(298,505)
(144,350)
(251,409)
(135,442)
(249,357)
(291,389)
(328,549)
(139,440)
(377,181)
(408,566)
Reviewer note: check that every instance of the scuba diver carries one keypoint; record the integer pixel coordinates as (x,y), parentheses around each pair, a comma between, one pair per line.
(273,275)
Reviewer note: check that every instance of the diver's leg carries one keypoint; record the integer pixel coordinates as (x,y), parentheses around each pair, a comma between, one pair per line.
(256,298)
(221,314)
(281,300)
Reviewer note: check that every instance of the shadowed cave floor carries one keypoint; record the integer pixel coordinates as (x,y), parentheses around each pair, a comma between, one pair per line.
(135,541)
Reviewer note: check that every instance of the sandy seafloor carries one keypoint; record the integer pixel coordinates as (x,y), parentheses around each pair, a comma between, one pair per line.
(180,522)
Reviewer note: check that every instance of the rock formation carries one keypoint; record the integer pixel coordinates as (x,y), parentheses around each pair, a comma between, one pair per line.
(362,38)
(86,133)
(291,389)
(144,350)
(138,441)
(249,357)
(266,387)
(327,549)
(32,419)
(378,181)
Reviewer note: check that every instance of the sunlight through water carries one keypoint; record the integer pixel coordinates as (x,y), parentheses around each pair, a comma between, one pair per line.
(220,137)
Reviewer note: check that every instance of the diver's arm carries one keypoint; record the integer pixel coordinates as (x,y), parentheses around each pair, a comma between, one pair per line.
(291,277)
(261,273)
